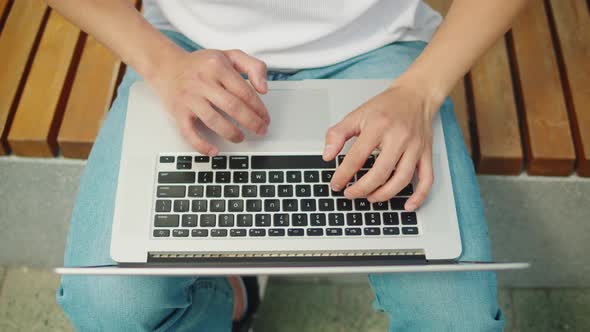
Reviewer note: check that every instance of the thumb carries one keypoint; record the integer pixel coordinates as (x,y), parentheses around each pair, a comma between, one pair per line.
(249,65)
(339,133)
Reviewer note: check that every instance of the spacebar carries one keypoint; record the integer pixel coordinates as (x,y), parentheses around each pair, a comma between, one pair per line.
(290,162)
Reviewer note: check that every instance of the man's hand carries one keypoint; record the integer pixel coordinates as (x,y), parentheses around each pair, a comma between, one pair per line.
(197,85)
(398,123)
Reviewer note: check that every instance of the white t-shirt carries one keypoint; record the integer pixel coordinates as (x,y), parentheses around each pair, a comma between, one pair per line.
(296,34)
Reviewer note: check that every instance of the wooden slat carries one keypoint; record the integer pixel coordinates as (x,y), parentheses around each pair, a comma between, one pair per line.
(89,99)
(572,23)
(19,35)
(4,7)
(37,118)
(548,138)
(499,142)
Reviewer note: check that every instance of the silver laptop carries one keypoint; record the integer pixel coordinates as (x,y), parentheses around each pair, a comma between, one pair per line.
(264,206)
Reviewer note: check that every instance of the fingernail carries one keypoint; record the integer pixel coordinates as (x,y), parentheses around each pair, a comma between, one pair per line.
(212,152)
(335,187)
(262,131)
(410,206)
(328,150)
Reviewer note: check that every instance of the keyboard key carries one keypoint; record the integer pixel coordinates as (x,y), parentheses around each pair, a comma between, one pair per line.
(184,159)
(317,219)
(380,206)
(238,162)
(291,162)
(166,160)
(311,176)
(184,165)
(390,218)
(253,205)
(327,176)
(244,220)
(343,204)
(171,191)
(219,232)
(181,205)
(303,190)
(308,205)
(409,218)
(276,177)
(262,220)
(293,176)
(207,220)
(267,191)
(258,177)
(299,219)
(235,205)
(321,190)
(281,220)
(249,191)
(217,205)
(199,232)
(285,190)
(315,231)
(213,191)
(195,191)
(352,231)
(390,231)
(336,219)
(361,204)
(163,205)
(397,203)
(337,193)
(372,218)
(257,232)
(369,162)
(201,159)
(341,159)
(410,230)
(205,177)
(333,231)
(231,191)
(326,204)
(237,232)
(290,205)
(360,174)
(240,177)
(276,232)
(189,220)
(271,205)
(407,191)
(166,220)
(199,205)
(295,232)
(162,232)
(219,162)
(222,177)
(354,219)
(180,232)
(372,231)
(226,220)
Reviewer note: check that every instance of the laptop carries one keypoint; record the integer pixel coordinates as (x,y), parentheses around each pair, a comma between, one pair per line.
(264,206)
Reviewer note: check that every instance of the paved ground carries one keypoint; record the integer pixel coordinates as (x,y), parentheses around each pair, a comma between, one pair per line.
(27,303)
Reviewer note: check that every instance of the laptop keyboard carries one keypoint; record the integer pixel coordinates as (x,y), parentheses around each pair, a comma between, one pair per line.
(268,196)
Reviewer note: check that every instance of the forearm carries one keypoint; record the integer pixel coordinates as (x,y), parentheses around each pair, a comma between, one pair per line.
(119,26)
(469,29)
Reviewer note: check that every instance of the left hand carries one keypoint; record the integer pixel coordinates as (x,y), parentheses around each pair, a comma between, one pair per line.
(397,122)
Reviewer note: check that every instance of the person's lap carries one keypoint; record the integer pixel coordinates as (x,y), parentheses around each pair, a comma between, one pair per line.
(435,301)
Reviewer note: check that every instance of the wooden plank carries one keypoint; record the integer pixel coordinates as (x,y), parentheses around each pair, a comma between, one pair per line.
(572,23)
(89,100)
(20,36)
(4,8)
(548,144)
(34,130)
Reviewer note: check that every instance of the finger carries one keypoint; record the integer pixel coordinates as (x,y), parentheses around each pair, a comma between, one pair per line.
(186,124)
(235,108)
(338,134)
(254,68)
(378,175)
(215,121)
(354,160)
(401,177)
(425,180)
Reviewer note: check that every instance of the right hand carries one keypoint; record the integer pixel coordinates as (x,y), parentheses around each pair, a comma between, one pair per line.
(191,84)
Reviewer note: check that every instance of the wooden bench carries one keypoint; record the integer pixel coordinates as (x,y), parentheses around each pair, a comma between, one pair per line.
(524,106)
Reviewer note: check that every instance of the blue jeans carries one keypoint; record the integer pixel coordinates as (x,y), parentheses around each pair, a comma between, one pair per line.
(461,301)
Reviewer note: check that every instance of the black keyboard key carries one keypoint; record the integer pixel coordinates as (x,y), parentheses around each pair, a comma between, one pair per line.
(181,205)
(326,204)
(352,231)
(290,205)
(237,232)
(262,220)
(200,232)
(271,205)
(201,159)
(205,177)
(380,206)
(219,162)
(219,232)
(235,205)
(341,159)
(397,203)
(207,220)
(184,165)
(238,162)
(171,191)
(217,205)
(360,174)
(409,218)
(362,204)
(249,191)
(303,190)
(222,177)
(327,176)
(184,159)
(315,231)
(161,232)
(372,231)
(321,190)
(407,191)
(295,232)
(281,220)
(199,205)
(372,218)
(410,230)
(317,219)
(231,191)
(390,218)
(343,204)
(276,232)
(390,231)
(166,220)
(311,176)
(258,177)
(336,219)
(189,220)
(369,162)
(240,177)
(166,160)
(276,177)
(180,232)
(308,205)
(299,219)
(338,193)
(257,232)
(291,162)
(253,205)
(293,176)
(213,191)
(163,205)
(226,220)
(285,190)
(333,231)
(354,219)
(267,191)
(244,220)
(195,191)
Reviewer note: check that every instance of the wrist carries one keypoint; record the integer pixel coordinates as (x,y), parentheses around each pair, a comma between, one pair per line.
(431,93)
(152,64)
